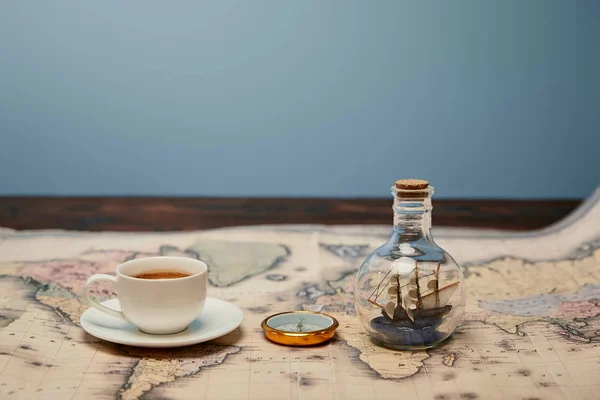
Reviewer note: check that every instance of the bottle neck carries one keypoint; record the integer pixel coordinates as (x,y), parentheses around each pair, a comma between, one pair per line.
(412,217)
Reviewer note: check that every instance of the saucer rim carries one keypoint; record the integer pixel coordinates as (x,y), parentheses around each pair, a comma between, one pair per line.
(160,341)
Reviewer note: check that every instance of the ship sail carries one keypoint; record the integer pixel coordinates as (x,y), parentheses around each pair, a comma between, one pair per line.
(444,294)
(390,307)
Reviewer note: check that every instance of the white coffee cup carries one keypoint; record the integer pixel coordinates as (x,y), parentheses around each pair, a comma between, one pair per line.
(156,306)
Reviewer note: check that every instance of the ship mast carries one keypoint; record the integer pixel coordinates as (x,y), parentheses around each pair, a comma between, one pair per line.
(417,284)
(398,293)
(437,286)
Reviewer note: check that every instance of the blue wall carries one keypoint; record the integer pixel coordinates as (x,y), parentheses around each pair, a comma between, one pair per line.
(303,98)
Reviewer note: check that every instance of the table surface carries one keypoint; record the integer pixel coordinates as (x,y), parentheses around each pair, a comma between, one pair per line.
(172,214)
(530,329)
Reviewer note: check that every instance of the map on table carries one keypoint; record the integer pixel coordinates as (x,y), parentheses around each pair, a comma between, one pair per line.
(531,329)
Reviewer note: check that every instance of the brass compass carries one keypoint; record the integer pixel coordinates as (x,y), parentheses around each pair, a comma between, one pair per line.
(299,328)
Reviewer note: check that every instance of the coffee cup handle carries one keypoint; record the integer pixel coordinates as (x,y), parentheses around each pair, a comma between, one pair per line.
(94,303)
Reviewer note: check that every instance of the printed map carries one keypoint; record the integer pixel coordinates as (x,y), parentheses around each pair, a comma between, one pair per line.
(531,329)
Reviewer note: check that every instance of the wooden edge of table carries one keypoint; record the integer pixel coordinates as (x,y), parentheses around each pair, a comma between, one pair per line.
(189,213)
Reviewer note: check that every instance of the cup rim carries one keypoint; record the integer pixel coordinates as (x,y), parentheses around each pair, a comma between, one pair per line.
(137,260)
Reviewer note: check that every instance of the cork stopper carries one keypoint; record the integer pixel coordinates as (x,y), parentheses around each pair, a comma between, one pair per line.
(411,184)
(415,189)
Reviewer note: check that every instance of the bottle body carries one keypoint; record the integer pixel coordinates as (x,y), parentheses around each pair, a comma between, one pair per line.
(409,293)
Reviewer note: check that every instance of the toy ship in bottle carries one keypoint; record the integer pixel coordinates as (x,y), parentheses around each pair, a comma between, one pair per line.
(409,292)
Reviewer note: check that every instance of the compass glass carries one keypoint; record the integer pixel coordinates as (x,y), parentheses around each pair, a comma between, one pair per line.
(296,322)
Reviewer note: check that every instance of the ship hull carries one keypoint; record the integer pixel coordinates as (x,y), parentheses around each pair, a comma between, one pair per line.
(392,335)
(403,332)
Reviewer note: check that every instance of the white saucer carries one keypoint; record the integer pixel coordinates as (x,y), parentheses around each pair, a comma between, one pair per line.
(217,319)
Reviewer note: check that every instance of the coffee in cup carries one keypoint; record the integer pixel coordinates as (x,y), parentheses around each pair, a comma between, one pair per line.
(162,274)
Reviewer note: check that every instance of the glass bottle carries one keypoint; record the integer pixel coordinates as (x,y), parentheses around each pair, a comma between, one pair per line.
(409,292)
